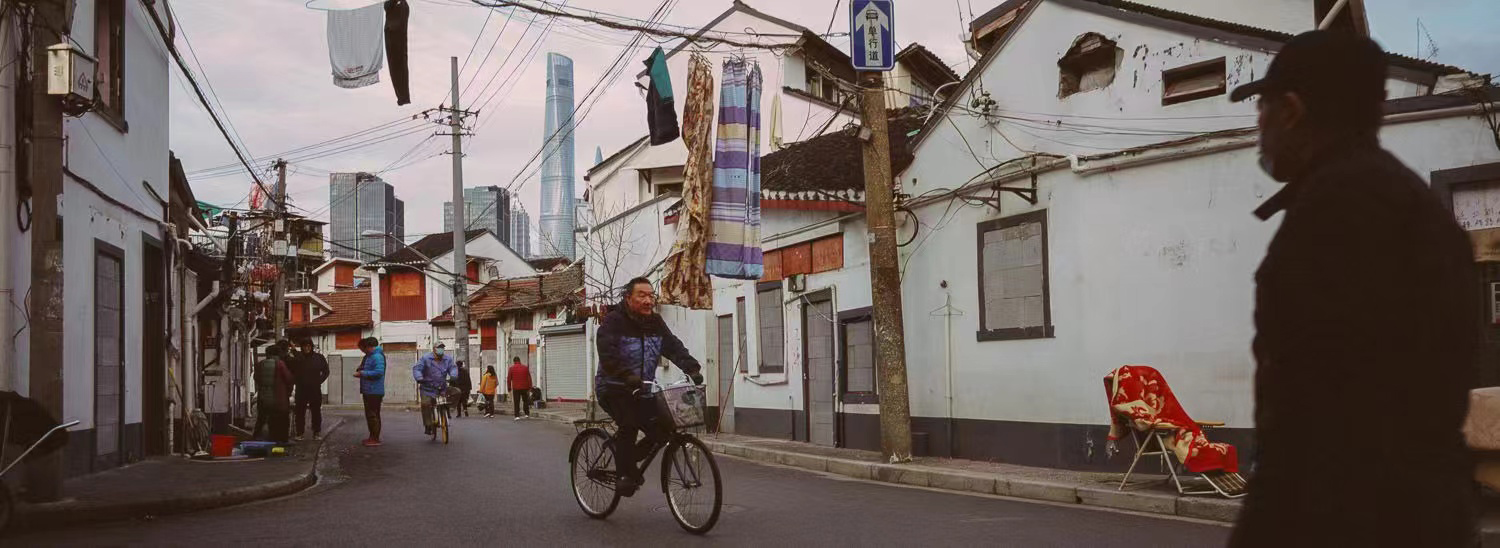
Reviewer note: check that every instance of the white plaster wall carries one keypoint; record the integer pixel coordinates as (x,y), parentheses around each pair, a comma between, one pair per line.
(1289,16)
(121,165)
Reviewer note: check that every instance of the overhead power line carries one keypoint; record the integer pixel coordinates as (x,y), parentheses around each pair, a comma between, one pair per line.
(161,30)
(622,24)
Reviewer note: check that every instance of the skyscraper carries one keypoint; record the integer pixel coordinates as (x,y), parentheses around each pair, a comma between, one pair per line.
(360,202)
(486,207)
(558,218)
(520,231)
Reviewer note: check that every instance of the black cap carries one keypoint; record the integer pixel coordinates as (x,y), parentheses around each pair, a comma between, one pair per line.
(1331,70)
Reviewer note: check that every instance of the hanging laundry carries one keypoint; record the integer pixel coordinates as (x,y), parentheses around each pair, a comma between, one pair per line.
(685,281)
(396,14)
(661,111)
(355,38)
(734,230)
(776,142)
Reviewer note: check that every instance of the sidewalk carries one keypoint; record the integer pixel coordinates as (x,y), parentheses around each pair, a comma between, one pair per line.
(1044,484)
(174,485)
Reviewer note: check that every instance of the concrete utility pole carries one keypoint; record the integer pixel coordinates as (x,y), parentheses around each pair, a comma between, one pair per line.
(460,227)
(44,145)
(281,231)
(885,275)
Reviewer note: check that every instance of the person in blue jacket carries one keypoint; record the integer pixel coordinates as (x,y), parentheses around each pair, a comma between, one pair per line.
(371,375)
(432,372)
(631,342)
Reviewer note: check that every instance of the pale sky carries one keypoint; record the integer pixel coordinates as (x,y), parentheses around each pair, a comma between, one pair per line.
(267,61)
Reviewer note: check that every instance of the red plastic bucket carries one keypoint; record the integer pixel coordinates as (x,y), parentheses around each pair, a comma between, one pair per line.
(222,446)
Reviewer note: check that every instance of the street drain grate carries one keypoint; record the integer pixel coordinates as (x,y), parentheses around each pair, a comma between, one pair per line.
(725,509)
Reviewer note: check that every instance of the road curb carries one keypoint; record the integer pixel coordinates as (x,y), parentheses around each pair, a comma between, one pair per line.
(52,515)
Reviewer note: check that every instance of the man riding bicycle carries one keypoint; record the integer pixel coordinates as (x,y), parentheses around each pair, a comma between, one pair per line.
(631,342)
(432,373)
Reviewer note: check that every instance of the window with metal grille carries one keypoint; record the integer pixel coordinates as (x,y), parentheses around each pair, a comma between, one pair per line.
(772,330)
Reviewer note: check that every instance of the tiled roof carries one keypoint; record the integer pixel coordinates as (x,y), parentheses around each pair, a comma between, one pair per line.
(930,62)
(833,164)
(348,308)
(548,264)
(510,294)
(431,245)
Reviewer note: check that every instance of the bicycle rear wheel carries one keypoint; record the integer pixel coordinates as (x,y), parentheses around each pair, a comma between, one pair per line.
(690,478)
(591,463)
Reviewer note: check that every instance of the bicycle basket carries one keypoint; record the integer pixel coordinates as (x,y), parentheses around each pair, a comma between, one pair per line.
(683,405)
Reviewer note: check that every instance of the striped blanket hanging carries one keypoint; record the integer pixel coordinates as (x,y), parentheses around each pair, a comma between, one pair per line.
(734,218)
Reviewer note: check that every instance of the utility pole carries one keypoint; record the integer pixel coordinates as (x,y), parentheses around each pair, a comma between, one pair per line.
(281,231)
(460,226)
(44,146)
(885,275)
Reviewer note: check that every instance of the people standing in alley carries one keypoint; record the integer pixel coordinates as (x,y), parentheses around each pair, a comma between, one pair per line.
(519,381)
(1365,338)
(309,369)
(465,384)
(371,375)
(273,389)
(432,373)
(488,383)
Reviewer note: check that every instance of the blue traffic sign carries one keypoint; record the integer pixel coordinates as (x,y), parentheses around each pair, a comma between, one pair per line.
(872,34)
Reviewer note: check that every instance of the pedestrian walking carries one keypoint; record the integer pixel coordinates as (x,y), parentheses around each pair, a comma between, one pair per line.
(371,375)
(309,369)
(519,381)
(465,384)
(1365,340)
(432,372)
(273,389)
(488,383)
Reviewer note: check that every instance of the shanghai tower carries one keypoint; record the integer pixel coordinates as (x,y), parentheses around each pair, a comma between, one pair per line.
(557,161)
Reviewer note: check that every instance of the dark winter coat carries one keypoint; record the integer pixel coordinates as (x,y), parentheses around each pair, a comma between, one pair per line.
(1366,340)
(628,347)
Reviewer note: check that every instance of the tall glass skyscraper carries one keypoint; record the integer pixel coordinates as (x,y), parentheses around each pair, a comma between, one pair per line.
(360,202)
(486,207)
(558,217)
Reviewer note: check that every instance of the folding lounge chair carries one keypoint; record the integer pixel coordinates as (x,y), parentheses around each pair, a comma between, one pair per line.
(1153,439)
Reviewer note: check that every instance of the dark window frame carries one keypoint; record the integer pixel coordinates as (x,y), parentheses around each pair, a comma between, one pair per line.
(850,317)
(529,324)
(741,333)
(1047,329)
(1204,68)
(112,107)
(760,341)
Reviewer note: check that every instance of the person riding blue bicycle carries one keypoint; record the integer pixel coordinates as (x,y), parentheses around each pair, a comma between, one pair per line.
(631,342)
(432,372)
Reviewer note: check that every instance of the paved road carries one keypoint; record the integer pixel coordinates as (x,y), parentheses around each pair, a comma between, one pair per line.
(506,482)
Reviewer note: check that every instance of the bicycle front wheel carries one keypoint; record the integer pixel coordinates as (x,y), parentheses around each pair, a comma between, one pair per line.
(591,462)
(443,425)
(690,478)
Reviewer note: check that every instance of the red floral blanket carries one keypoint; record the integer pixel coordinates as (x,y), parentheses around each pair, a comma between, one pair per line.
(1139,399)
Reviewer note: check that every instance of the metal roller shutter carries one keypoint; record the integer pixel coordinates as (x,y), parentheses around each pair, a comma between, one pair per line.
(566,375)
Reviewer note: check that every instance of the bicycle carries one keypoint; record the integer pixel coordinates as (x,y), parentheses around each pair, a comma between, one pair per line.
(439,416)
(686,471)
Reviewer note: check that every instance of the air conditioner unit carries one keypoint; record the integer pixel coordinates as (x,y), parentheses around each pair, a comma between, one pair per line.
(796,283)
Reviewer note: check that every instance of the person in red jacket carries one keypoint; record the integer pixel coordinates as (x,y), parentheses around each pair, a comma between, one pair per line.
(520,387)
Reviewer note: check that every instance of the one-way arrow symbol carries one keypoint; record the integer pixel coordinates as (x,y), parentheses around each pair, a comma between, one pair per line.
(871,21)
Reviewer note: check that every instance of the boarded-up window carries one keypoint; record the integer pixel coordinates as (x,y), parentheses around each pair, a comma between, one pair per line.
(1089,65)
(473,272)
(343,276)
(347,340)
(1013,292)
(299,313)
(858,358)
(772,262)
(406,284)
(1195,81)
(796,259)
(828,254)
(768,308)
(487,337)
